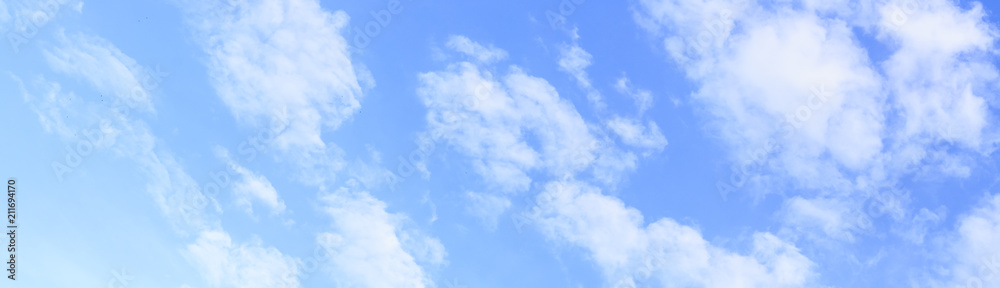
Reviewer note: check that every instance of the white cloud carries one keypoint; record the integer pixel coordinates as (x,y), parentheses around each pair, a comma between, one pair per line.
(251,186)
(486,207)
(751,106)
(249,265)
(490,120)
(662,253)
(939,72)
(643,98)
(972,256)
(176,194)
(487,118)
(369,249)
(797,77)
(104,124)
(825,217)
(633,133)
(115,75)
(287,60)
(482,54)
(283,60)
(574,61)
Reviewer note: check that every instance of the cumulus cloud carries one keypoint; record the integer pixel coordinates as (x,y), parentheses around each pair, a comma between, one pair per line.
(487,117)
(662,253)
(971,256)
(490,119)
(789,86)
(940,72)
(283,60)
(226,264)
(369,249)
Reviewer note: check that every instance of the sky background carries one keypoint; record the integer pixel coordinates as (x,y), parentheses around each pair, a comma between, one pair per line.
(573,143)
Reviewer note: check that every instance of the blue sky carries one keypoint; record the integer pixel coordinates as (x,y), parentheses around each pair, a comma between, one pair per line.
(417,143)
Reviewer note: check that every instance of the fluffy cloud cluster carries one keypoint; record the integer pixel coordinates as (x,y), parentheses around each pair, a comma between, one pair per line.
(284,60)
(973,258)
(791,86)
(517,130)
(489,117)
(370,249)
(808,109)
(662,253)
(225,264)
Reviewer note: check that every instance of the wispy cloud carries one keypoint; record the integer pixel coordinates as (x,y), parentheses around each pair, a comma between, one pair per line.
(574,61)
(476,51)
(369,247)
(251,187)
